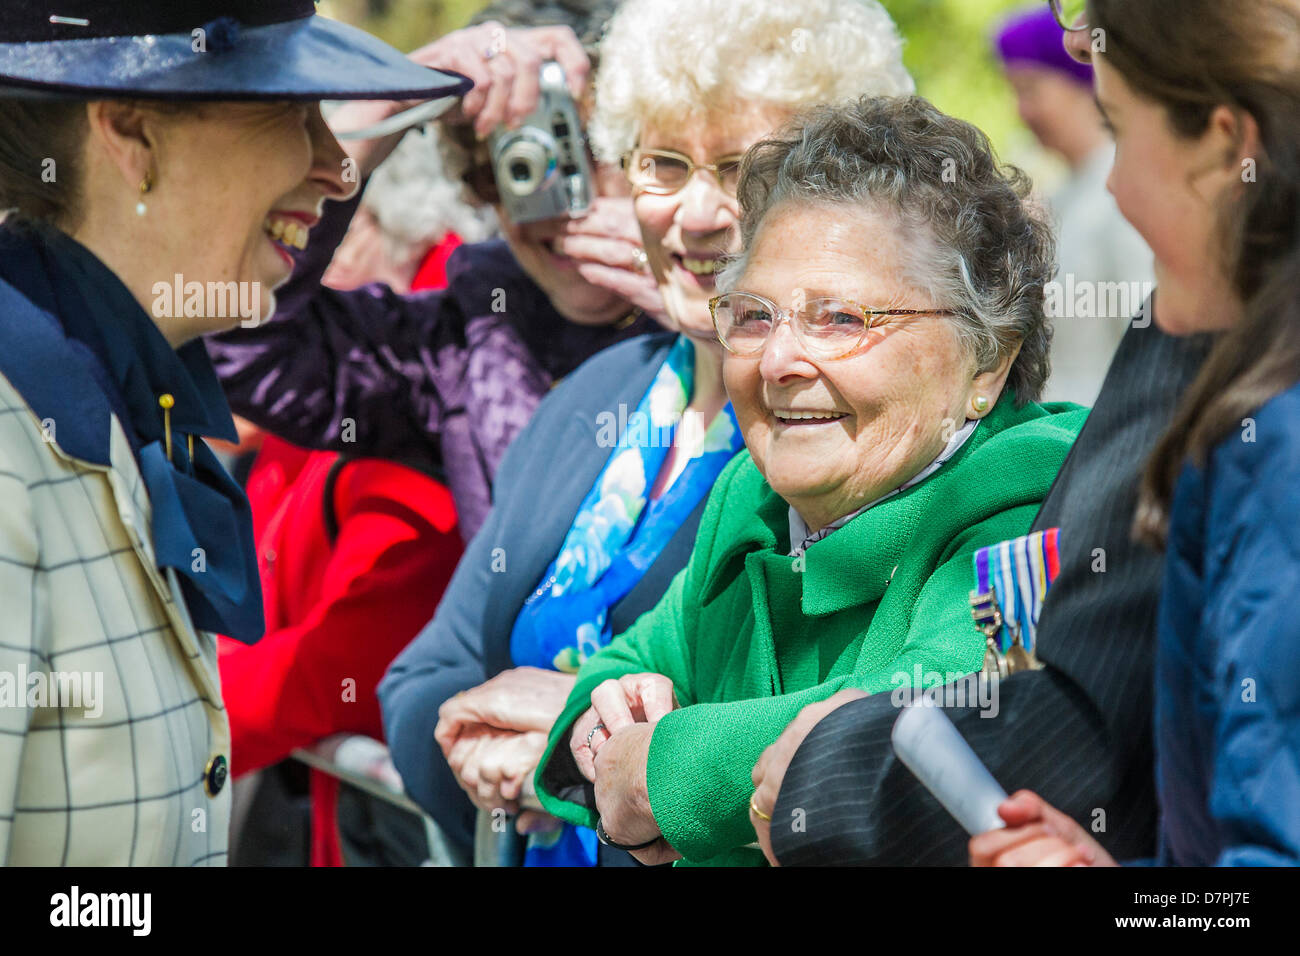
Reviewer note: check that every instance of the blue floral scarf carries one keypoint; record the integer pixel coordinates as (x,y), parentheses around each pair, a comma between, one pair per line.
(615,537)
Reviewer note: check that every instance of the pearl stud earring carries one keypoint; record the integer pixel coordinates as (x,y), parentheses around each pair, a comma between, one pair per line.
(146,184)
(981,403)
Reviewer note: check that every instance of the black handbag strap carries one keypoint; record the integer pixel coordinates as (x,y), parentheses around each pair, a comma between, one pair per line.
(328,511)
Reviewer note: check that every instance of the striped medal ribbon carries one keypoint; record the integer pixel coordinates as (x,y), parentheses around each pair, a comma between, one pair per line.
(1011,582)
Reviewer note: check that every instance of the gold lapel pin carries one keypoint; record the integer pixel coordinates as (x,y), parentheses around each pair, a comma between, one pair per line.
(167,401)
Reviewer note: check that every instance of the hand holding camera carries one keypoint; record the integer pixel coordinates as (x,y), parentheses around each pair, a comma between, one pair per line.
(540,165)
(505,65)
(606,244)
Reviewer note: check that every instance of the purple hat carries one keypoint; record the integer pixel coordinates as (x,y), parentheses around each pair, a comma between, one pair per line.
(1034,38)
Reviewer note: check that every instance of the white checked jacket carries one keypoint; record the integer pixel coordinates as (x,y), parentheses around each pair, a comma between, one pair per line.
(80,592)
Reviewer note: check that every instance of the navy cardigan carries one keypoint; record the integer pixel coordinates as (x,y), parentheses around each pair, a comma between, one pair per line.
(538,489)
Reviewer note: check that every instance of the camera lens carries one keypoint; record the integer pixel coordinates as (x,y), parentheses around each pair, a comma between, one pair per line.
(523,166)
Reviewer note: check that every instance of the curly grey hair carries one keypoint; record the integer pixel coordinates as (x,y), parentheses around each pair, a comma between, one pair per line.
(417,201)
(978,246)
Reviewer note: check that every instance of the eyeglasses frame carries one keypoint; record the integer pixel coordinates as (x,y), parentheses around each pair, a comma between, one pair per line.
(1059,13)
(691,168)
(783,315)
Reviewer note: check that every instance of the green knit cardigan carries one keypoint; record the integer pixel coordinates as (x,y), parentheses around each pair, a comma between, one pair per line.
(749,635)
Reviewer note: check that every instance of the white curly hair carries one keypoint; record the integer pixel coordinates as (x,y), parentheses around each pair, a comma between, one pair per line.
(663,61)
(416,199)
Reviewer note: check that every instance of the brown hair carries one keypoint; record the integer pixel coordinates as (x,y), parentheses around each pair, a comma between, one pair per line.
(1191,56)
(40,152)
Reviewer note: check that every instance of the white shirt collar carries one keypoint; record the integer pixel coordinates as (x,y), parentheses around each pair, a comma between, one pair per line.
(799,530)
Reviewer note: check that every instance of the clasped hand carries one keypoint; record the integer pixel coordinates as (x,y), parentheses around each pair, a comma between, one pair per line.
(494,735)
(610,743)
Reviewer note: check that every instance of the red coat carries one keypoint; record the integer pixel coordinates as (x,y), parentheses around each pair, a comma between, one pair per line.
(335,616)
(432,271)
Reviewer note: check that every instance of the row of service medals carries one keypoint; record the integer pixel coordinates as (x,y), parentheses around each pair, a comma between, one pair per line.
(1011,582)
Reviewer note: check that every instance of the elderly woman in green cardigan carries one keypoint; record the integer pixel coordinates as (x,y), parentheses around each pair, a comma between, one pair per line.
(884,337)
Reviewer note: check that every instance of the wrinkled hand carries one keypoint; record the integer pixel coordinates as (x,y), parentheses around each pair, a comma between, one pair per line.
(769,772)
(622,799)
(1036,834)
(633,698)
(503,63)
(606,244)
(492,766)
(520,699)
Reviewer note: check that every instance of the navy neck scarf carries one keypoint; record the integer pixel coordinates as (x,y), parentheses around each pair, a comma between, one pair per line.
(202,525)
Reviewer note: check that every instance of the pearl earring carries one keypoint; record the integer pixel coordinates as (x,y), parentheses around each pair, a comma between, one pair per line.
(981,403)
(146,184)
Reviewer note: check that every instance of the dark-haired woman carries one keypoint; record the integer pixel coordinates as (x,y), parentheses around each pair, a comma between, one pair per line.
(136,223)
(1203,97)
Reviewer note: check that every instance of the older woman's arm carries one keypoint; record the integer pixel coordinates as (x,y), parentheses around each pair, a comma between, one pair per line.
(701,756)
(562,789)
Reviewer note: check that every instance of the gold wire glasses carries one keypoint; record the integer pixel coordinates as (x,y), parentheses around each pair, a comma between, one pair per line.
(665,171)
(827,327)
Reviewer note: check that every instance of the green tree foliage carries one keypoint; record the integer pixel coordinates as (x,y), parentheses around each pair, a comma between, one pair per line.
(949,50)
(406,24)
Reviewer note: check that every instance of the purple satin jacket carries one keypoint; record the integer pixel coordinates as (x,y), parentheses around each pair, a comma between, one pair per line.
(441,381)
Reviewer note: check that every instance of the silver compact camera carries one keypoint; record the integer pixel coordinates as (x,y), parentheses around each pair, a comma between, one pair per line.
(541,167)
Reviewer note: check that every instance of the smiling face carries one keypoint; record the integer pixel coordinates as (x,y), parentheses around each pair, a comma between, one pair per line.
(832,435)
(238,183)
(688,233)
(232,186)
(1170,188)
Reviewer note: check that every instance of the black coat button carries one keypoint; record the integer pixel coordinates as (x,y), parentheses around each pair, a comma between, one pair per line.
(214,778)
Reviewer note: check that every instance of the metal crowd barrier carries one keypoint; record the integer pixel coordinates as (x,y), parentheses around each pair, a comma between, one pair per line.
(495,841)
(365,763)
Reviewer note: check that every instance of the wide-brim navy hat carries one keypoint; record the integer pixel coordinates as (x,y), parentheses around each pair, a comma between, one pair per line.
(202,50)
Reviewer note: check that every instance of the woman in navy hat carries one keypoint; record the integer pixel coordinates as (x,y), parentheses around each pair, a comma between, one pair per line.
(157,161)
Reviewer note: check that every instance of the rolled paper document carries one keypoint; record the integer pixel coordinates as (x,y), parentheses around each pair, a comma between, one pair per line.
(936,752)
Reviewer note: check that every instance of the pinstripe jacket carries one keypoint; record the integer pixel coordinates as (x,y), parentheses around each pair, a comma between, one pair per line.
(110,703)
